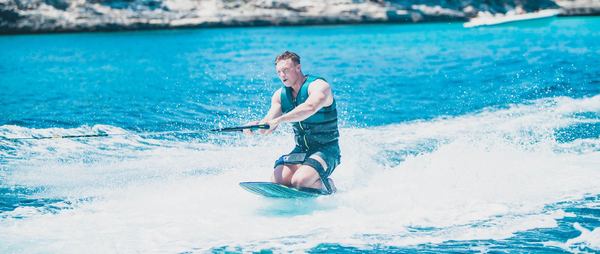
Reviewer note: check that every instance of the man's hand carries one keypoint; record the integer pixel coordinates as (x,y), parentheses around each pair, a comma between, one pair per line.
(273,123)
(248,131)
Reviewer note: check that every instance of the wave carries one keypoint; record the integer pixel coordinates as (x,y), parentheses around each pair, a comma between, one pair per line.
(483,175)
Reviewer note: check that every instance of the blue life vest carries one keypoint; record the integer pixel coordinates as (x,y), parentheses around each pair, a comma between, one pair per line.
(318,130)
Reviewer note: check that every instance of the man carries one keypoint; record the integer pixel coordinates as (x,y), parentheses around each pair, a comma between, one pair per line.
(307,102)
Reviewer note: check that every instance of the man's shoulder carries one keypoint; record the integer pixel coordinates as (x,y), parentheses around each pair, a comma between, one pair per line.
(319,80)
(277,93)
(319,83)
(316,78)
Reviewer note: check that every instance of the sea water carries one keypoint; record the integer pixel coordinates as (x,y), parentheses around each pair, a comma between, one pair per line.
(452,140)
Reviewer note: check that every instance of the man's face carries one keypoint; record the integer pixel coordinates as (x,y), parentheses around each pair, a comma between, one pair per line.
(288,72)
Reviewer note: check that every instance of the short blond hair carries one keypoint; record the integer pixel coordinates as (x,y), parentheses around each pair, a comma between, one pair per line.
(288,55)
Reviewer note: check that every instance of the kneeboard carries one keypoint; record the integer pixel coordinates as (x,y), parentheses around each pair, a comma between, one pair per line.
(274,190)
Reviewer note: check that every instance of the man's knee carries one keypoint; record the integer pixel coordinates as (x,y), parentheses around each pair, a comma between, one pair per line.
(282,174)
(276,176)
(304,177)
(297,181)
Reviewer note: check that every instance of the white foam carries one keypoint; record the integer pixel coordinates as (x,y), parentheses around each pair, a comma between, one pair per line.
(589,239)
(485,175)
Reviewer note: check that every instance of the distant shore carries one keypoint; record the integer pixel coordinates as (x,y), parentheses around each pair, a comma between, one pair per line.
(47,16)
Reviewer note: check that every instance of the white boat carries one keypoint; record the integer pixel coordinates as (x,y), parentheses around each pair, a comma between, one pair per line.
(490,20)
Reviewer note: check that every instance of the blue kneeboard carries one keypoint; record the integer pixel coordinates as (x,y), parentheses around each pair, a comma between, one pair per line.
(274,190)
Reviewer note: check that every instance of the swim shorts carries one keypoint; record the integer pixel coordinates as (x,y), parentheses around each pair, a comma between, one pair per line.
(329,153)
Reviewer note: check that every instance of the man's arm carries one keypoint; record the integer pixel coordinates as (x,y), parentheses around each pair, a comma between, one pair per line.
(274,112)
(319,96)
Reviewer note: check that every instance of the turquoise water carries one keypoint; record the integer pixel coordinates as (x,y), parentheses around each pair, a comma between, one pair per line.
(453,140)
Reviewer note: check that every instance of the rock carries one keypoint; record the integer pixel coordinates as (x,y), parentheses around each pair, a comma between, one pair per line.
(469,11)
(579,7)
(33,16)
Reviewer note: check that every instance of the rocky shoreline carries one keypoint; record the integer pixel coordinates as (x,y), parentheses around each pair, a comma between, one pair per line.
(44,16)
